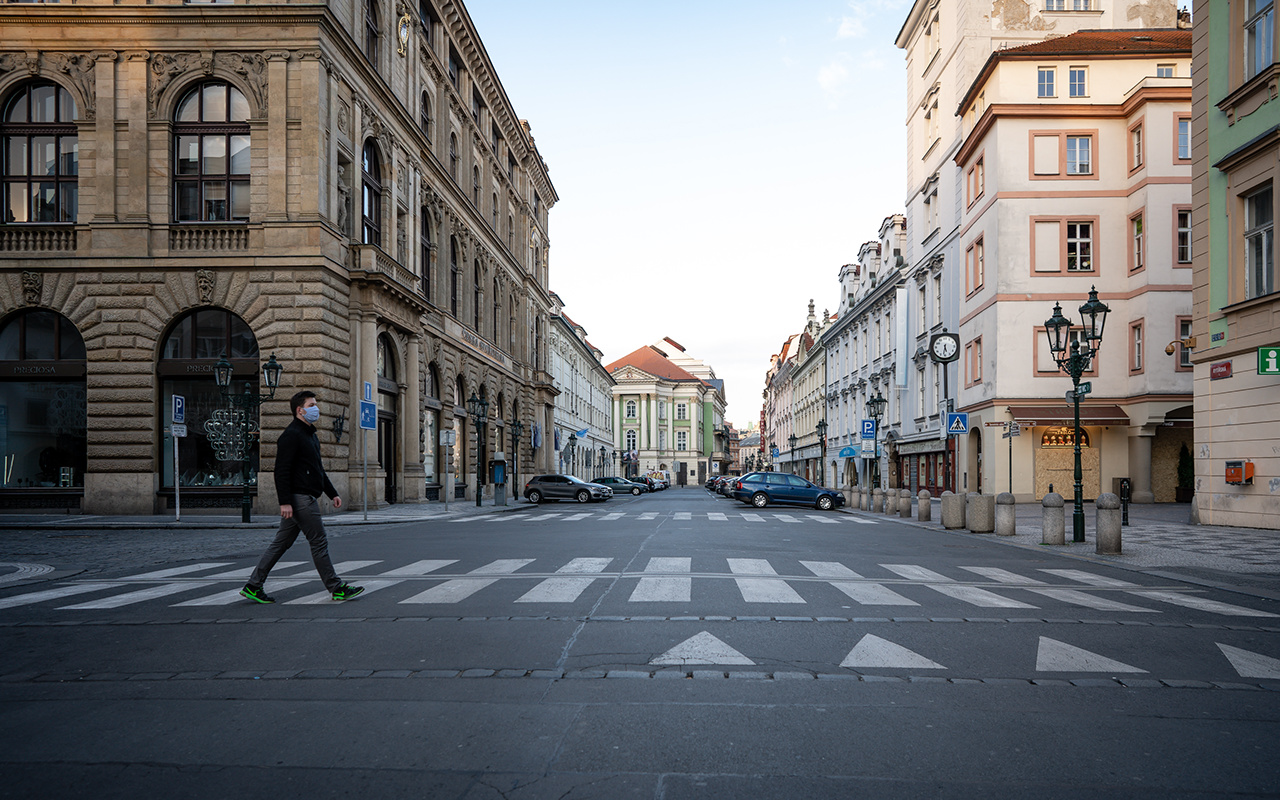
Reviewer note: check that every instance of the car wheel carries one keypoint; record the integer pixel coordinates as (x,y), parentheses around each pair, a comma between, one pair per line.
(583,496)
(636,491)
(759,499)
(825,502)
(535,497)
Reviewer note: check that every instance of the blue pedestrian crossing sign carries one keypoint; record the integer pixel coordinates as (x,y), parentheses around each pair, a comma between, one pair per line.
(957,422)
(868,429)
(368,416)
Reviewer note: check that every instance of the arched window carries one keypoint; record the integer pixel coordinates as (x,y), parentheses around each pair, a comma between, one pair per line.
(431,429)
(42,394)
(475,186)
(631,440)
(631,409)
(424,115)
(211,155)
(511,325)
(460,436)
(386,359)
(371,195)
(40,155)
(453,155)
(193,344)
(453,277)
(371,31)
(493,211)
(511,233)
(427,252)
(475,298)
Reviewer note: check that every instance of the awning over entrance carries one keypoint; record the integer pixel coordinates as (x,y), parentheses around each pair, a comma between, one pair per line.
(1058,415)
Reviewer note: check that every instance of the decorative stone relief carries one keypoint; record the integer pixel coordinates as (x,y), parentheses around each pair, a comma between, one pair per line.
(80,70)
(252,67)
(11,61)
(167,66)
(32,287)
(344,118)
(205,280)
(1015,15)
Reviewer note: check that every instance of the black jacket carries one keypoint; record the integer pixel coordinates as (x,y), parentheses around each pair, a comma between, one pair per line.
(298,466)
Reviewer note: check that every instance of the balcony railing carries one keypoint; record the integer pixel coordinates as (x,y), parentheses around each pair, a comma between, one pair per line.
(187,238)
(377,265)
(37,239)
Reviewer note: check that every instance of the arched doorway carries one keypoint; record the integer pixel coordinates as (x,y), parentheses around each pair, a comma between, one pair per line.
(388,428)
(460,439)
(193,344)
(43,409)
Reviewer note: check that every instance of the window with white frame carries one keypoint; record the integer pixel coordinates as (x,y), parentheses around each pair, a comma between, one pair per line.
(1078,81)
(1045,82)
(1135,147)
(1055,5)
(1184,236)
(920,392)
(631,409)
(631,440)
(662,439)
(1184,138)
(682,410)
(1184,353)
(924,307)
(931,210)
(1079,246)
(1166,70)
(1259,244)
(1137,255)
(662,409)
(1135,342)
(937,299)
(1259,30)
(1079,155)
(682,440)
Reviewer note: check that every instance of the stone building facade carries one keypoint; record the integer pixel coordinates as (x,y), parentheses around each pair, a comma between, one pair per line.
(584,405)
(343,186)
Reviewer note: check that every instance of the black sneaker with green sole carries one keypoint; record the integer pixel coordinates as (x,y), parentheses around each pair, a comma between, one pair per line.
(346,591)
(256,595)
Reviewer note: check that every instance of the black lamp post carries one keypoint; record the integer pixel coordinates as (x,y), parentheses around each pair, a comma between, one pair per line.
(792,441)
(516,429)
(568,452)
(875,410)
(232,430)
(1075,358)
(822,457)
(478,409)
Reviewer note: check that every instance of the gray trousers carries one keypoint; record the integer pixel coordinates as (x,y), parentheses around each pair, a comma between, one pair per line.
(306,518)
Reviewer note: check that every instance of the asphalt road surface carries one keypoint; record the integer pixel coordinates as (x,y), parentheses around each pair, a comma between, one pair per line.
(670,646)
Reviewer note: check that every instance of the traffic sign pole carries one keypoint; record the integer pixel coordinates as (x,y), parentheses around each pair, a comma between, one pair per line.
(177,430)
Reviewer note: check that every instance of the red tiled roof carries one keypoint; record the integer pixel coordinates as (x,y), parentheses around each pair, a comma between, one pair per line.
(651,360)
(1130,41)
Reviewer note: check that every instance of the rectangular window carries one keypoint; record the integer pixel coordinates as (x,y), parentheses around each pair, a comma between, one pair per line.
(931,211)
(974,267)
(1079,247)
(1135,147)
(1259,31)
(920,393)
(1055,5)
(973,362)
(1184,353)
(1082,5)
(1259,244)
(1166,70)
(682,440)
(977,181)
(924,309)
(1184,138)
(1135,346)
(1079,82)
(1079,149)
(682,411)
(937,299)
(1184,236)
(1046,366)
(1137,247)
(1045,82)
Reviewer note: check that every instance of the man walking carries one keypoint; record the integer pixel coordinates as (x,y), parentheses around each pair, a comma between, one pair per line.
(300,479)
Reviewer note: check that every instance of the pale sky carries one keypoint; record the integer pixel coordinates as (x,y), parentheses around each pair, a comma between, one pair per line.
(716,162)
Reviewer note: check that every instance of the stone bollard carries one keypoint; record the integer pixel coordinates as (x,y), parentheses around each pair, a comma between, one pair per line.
(1006,515)
(849,494)
(864,500)
(891,502)
(904,504)
(877,501)
(1107,524)
(924,506)
(980,514)
(1054,520)
(952,511)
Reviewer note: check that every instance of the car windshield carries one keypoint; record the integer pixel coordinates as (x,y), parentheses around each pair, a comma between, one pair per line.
(572,479)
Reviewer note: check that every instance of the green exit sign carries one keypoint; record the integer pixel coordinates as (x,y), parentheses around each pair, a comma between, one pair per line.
(1269,360)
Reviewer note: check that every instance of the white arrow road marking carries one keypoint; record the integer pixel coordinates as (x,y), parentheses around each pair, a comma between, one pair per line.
(1251,665)
(667,589)
(702,649)
(761,590)
(54,594)
(941,584)
(565,590)
(1202,604)
(461,588)
(1055,656)
(876,653)
(867,594)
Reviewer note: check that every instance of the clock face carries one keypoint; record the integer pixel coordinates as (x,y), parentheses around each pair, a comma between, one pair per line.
(945,347)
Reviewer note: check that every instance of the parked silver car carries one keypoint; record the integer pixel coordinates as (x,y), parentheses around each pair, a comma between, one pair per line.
(564,487)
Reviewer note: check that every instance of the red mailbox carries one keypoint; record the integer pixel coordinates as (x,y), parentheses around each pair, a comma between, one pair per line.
(1240,473)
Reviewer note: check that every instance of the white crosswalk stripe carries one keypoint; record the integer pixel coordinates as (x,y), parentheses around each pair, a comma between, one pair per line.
(576,517)
(508,517)
(229,596)
(56,594)
(1202,604)
(543,517)
(612,516)
(129,598)
(761,590)
(863,520)
(753,518)
(681,516)
(665,589)
(1091,579)
(452,591)
(786,518)
(172,572)
(717,517)
(649,515)
(565,590)
(867,594)
(823,520)
(942,584)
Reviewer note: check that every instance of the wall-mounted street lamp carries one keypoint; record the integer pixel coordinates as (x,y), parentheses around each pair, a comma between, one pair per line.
(233,430)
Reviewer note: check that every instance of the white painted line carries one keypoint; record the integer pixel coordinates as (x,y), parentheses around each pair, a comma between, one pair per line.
(702,649)
(508,517)
(370,586)
(823,520)
(978,597)
(761,590)
(55,594)
(230,596)
(786,518)
(419,568)
(863,521)
(352,566)
(129,598)
(682,516)
(1090,578)
(717,516)
(1003,576)
(1251,665)
(452,591)
(915,573)
(565,590)
(244,573)
(649,515)
(1055,656)
(576,517)
(169,573)
(543,517)
(1202,604)
(867,594)
(753,518)
(872,652)
(667,589)
(613,515)
(1077,598)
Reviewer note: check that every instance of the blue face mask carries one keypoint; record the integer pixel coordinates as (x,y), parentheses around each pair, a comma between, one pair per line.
(311,414)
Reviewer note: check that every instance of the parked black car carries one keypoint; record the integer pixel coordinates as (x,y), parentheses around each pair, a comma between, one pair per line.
(764,488)
(622,485)
(564,487)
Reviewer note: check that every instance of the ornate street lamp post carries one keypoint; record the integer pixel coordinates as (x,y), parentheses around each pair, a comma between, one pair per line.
(1075,357)
(600,464)
(792,441)
(478,409)
(875,410)
(822,457)
(232,430)
(516,430)
(568,452)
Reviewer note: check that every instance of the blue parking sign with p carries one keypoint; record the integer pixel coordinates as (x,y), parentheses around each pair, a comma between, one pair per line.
(868,429)
(179,409)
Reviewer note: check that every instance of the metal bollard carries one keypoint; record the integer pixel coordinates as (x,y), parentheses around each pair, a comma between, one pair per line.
(904,504)
(1006,515)
(1107,525)
(1126,490)
(1054,520)
(924,506)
